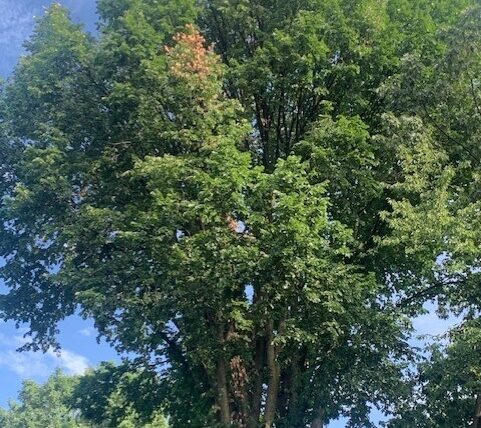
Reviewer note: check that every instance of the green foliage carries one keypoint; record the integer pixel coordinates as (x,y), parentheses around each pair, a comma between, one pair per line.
(447,384)
(42,406)
(114,396)
(435,208)
(110,396)
(254,219)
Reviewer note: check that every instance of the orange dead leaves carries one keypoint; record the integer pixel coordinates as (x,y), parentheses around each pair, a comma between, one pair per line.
(190,56)
(233,224)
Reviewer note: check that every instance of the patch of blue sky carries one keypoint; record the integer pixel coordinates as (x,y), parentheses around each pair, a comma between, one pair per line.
(17,19)
(79,351)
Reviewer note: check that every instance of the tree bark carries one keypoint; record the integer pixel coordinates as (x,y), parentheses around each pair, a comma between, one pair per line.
(274,378)
(284,392)
(293,400)
(221,375)
(477,413)
(258,378)
(318,421)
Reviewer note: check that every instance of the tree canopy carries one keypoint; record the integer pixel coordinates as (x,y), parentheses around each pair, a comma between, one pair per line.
(253,198)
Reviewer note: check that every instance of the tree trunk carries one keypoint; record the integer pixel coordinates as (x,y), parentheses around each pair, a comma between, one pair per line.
(477,413)
(258,379)
(293,399)
(274,378)
(318,422)
(274,373)
(221,374)
(284,393)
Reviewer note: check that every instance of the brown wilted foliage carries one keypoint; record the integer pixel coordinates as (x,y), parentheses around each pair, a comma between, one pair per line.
(190,56)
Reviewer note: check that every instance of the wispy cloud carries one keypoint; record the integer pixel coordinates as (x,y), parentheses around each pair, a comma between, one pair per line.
(16,23)
(87,332)
(38,364)
(71,362)
(17,20)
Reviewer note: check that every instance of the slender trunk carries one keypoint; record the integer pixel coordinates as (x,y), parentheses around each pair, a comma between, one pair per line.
(293,399)
(284,392)
(297,402)
(221,374)
(244,419)
(318,421)
(238,389)
(258,377)
(274,378)
(477,413)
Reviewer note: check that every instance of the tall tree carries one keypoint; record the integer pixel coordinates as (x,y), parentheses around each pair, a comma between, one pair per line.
(219,211)
(119,396)
(106,397)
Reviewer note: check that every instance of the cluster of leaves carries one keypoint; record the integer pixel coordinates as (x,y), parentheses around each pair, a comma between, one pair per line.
(435,217)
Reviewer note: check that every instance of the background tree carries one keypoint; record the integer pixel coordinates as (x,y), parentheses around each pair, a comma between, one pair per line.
(435,212)
(447,384)
(119,396)
(41,406)
(99,399)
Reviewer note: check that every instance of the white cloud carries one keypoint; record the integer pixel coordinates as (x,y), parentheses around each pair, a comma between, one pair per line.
(17,20)
(71,362)
(26,365)
(87,332)
(16,23)
(37,364)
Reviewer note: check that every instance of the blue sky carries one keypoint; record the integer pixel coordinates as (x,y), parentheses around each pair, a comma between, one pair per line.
(17,18)
(79,347)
